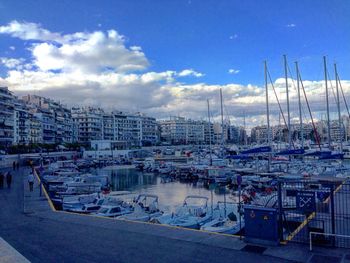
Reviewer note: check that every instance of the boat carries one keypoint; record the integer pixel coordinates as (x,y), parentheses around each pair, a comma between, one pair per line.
(192,214)
(145,208)
(225,219)
(114,210)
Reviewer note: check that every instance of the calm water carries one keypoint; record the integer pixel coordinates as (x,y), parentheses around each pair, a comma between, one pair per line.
(171,193)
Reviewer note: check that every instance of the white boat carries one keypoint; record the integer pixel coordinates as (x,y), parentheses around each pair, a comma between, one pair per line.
(114,210)
(192,214)
(225,219)
(145,208)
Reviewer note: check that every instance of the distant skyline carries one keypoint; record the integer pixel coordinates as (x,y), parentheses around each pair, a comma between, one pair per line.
(167,57)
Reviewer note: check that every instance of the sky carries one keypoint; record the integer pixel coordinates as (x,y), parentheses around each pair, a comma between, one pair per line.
(167,57)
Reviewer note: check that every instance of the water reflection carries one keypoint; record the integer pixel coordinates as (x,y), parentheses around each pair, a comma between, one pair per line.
(171,192)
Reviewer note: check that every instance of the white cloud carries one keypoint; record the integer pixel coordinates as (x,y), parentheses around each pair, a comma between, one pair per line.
(291,25)
(29,31)
(233,71)
(190,72)
(11,62)
(99,69)
(12,48)
(235,36)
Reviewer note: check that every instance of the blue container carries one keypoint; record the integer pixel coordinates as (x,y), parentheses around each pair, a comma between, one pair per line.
(261,225)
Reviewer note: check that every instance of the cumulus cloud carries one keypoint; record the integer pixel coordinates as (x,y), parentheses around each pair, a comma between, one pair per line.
(291,25)
(190,72)
(98,68)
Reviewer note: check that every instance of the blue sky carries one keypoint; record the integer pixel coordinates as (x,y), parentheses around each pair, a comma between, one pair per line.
(210,37)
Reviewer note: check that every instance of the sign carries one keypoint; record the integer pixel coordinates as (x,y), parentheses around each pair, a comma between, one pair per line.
(306,201)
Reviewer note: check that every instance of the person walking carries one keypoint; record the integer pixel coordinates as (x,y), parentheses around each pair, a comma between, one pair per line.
(1,180)
(31,181)
(14,165)
(8,179)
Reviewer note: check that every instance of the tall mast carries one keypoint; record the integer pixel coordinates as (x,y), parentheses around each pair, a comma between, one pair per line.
(338,105)
(222,120)
(267,113)
(287,92)
(244,131)
(209,124)
(299,102)
(327,102)
(267,106)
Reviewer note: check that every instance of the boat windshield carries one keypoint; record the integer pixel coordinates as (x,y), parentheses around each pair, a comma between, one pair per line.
(103,211)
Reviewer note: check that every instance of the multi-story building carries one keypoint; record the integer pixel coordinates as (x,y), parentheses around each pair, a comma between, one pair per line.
(56,119)
(36,130)
(21,123)
(7,117)
(179,130)
(89,123)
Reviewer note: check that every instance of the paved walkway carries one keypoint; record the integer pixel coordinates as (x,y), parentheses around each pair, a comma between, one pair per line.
(41,235)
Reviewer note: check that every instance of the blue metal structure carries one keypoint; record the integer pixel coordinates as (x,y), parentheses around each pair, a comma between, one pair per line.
(261,225)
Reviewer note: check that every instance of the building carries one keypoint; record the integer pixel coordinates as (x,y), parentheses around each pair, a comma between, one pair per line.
(88,123)
(179,130)
(56,119)
(21,135)
(7,117)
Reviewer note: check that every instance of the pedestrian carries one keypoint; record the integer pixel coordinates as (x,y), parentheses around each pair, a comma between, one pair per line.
(14,165)
(17,166)
(1,180)
(8,179)
(31,181)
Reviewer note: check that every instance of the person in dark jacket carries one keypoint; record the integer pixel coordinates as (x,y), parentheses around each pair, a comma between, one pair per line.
(14,165)
(1,180)
(9,179)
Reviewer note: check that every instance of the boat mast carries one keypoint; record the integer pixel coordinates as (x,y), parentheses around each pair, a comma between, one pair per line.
(299,102)
(209,124)
(327,102)
(267,113)
(222,121)
(338,105)
(244,131)
(288,110)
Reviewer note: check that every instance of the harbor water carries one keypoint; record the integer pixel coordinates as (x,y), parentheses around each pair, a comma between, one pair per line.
(171,192)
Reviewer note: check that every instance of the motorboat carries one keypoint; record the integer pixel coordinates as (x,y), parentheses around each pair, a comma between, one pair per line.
(114,210)
(192,214)
(145,208)
(226,219)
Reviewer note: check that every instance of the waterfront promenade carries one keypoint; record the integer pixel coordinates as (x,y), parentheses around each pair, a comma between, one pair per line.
(41,235)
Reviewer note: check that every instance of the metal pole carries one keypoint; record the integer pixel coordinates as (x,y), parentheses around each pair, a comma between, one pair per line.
(327,101)
(280,208)
(338,105)
(209,124)
(332,211)
(299,102)
(267,114)
(287,92)
(222,120)
(239,211)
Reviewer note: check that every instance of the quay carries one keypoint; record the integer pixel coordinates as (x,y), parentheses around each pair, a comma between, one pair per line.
(41,234)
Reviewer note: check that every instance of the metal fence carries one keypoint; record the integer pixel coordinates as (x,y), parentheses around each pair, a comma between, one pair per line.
(318,206)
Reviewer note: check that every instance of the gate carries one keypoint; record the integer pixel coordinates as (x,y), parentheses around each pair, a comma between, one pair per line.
(317,209)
